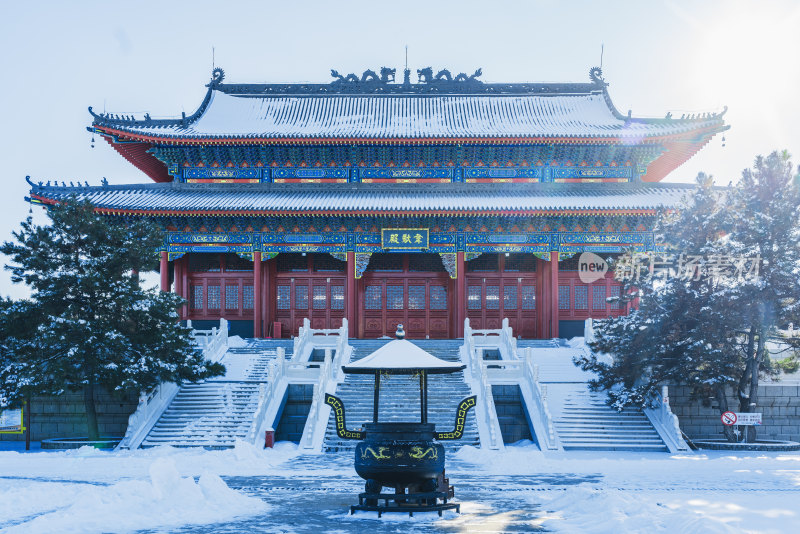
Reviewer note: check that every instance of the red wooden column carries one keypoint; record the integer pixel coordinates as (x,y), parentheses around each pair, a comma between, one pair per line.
(178,277)
(257,304)
(351,294)
(461,294)
(266,298)
(542,300)
(178,266)
(185,284)
(164,268)
(553,294)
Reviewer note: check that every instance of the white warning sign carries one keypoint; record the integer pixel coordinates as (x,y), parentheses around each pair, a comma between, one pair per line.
(749,419)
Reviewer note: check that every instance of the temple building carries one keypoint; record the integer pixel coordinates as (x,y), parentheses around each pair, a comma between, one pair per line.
(391,202)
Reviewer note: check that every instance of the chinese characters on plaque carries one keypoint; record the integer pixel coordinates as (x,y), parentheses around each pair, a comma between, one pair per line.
(404,238)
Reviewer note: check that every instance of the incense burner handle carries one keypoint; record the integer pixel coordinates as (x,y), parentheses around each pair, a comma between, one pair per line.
(341,428)
(461,418)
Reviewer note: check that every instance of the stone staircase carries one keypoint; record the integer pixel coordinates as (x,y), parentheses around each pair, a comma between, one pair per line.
(399,399)
(215,413)
(586,422)
(582,419)
(259,347)
(554,361)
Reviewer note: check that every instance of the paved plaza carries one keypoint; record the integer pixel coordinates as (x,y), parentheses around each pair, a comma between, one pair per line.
(246,489)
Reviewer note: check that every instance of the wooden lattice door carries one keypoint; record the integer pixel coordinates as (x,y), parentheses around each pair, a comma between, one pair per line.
(310,287)
(409,289)
(499,287)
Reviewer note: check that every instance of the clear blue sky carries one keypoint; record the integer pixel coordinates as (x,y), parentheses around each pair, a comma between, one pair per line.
(136,57)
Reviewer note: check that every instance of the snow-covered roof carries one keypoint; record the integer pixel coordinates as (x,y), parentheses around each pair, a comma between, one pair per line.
(402,357)
(441,108)
(414,116)
(440,111)
(320,199)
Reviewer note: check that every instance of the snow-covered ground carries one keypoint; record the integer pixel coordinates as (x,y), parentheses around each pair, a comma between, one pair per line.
(519,490)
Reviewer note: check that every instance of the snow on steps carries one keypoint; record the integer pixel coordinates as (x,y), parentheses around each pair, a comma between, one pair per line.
(583,421)
(555,361)
(215,413)
(399,399)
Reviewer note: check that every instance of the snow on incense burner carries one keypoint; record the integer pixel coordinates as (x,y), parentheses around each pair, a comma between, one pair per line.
(405,456)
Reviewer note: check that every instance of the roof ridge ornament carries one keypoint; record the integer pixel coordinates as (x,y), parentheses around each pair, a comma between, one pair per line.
(387,75)
(369,76)
(596,76)
(217,75)
(426,76)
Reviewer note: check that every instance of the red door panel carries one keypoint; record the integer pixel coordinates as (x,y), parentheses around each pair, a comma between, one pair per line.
(419,300)
(308,287)
(500,291)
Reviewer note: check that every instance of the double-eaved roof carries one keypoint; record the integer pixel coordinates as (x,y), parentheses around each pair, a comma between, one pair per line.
(180,199)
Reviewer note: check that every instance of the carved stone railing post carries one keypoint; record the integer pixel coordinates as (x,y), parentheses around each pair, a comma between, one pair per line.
(665,422)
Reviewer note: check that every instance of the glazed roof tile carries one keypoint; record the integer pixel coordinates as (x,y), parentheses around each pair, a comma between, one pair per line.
(411,116)
(468,109)
(368,199)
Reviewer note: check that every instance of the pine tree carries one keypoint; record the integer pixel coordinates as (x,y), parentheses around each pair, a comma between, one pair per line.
(89,323)
(676,334)
(706,324)
(765,222)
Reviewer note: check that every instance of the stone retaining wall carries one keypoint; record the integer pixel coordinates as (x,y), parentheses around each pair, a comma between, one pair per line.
(780,404)
(64,416)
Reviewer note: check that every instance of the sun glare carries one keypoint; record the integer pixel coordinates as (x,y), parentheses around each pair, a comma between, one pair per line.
(748,51)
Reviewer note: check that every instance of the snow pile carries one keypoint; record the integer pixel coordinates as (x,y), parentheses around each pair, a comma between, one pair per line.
(236,342)
(581,509)
(513,460)
(648,492)
(90,464)
(576,342)
(584,509)
(23,498)
(167,500)
(244,459)
(518,489)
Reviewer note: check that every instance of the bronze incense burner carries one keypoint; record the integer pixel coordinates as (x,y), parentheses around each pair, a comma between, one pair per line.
(405,456)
